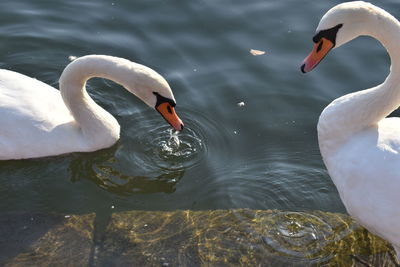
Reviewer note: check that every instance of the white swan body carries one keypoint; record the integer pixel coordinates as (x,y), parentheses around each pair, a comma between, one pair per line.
(359,145)
(37,120)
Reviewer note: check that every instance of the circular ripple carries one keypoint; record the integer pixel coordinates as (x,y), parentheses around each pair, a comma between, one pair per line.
(299,235)
(168,149)
(157,147)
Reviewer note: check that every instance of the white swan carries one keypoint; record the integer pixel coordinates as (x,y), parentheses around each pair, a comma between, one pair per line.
(359,145)
(37,120)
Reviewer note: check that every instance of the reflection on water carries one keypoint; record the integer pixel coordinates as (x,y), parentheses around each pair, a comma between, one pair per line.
(165,152)
(103,171)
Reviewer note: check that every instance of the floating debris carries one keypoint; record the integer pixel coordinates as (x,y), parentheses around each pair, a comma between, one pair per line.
(72,58)
(256,52)
(241,104)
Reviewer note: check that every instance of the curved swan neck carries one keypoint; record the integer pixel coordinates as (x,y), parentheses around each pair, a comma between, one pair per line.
(93,120)
(386,29)
(354,112)
(76,74)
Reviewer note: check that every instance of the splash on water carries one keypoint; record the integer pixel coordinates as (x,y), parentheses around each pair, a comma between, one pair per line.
(172,144)
(176,146)
(170,150)
(174,141)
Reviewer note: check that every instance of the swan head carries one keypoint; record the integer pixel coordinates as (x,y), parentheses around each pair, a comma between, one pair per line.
(155,91)
(339,25)
(142,81)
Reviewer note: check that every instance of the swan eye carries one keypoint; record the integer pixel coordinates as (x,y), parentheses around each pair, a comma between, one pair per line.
(316,37)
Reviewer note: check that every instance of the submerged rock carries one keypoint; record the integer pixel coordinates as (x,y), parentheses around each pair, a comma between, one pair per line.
(45,239)
(239,238)
(191,238)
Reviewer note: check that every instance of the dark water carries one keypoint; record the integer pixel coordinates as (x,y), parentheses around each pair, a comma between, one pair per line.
(260,155)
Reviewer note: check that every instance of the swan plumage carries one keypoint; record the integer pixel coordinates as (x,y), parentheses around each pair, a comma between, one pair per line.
(38,120)
(360,146)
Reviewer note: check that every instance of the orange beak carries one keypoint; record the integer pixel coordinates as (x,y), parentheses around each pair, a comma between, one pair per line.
(320,50)
(169,114)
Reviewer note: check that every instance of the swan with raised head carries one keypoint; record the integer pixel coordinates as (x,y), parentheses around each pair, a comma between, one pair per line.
(38,120)
(359,145)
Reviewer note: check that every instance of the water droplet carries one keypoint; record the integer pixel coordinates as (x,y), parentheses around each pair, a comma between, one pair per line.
(174,141)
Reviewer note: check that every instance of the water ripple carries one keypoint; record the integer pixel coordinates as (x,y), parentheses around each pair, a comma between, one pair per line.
(297,234)
(157,148)
(167,149)
(303,235)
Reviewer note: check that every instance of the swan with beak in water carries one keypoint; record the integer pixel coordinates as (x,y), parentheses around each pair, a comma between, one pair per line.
(37,120)
(359,145)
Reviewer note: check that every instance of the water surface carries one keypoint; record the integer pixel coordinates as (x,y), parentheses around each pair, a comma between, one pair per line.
(261,154)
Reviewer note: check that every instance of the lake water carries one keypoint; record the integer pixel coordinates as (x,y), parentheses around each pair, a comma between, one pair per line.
(261,154)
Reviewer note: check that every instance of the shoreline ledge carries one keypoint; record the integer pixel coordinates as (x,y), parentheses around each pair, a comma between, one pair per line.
(237,237)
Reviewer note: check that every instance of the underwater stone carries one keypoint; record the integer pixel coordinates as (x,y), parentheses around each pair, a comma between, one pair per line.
(45,239)
(240,237)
